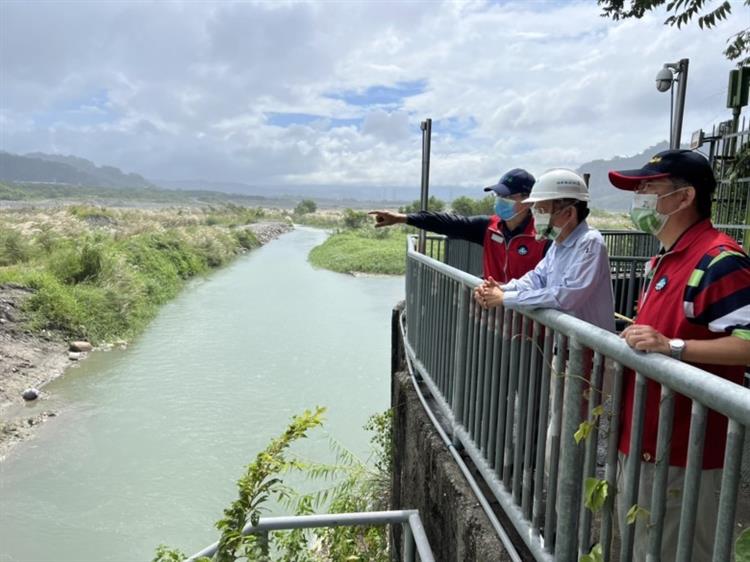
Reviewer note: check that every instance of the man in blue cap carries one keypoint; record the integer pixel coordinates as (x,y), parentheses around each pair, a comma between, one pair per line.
(508,237)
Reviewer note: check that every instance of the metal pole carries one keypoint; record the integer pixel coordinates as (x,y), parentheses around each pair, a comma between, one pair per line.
(426,127)
(679,110)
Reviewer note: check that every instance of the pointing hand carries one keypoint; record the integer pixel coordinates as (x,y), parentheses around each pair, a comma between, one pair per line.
(387,218)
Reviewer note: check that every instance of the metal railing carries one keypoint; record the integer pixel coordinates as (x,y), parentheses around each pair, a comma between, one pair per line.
(731,209)
(515,387)
(416,546)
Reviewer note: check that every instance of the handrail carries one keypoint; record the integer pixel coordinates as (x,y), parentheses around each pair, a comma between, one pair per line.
(410,518)
(717,393)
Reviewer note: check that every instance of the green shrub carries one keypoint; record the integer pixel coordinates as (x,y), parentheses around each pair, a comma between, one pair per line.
(305,206)
(14,248)
(246,238)
(47,240)
(469,207)
(354,219)
(433,204)
(53,305)
(78,264)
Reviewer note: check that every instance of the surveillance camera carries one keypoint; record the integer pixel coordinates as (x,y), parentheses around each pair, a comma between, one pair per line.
(664,79)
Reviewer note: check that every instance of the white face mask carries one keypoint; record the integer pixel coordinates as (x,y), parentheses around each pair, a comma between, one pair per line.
(544,227)
(644,215)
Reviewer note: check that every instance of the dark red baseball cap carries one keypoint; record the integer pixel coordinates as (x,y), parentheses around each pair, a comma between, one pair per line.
(687,165)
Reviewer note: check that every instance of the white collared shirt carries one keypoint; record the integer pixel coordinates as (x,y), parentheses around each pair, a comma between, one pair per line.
(573,277)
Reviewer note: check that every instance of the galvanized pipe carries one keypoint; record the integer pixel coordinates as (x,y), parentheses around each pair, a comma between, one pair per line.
(633,463)
(541,439)
(491,428)
(511,405)
(589,462)
(661,473)
(503,394)
(692,482)
(730,482)
(527,488)
(369,518)
(610,474)
(569,486)
(554,438)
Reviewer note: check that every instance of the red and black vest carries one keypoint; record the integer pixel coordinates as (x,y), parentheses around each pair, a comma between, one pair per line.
(507,258)
(661,306)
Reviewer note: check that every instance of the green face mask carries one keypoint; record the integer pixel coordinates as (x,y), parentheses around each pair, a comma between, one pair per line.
(644,215)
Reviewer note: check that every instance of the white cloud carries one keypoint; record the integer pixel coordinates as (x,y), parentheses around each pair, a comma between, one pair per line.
(189,86)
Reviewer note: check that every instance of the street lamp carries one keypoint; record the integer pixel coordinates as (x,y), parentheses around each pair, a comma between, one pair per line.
(670,73)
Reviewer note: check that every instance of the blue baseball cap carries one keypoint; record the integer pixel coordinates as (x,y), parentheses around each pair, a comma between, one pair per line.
(513,182)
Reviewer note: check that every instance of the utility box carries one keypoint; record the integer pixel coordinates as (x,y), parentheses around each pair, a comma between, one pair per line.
(739,85)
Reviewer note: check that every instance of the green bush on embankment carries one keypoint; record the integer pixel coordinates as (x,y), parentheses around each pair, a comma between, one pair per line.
(363,250)
(107,283)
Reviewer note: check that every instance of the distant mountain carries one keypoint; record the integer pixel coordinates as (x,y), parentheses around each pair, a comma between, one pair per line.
(327,192)
(69,170)
(603,194)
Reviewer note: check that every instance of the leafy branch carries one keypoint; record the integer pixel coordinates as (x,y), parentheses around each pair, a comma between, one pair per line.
(682,12)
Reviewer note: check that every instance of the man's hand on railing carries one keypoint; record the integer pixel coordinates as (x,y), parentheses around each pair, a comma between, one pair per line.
(645,338)
(387,218)
(489,294)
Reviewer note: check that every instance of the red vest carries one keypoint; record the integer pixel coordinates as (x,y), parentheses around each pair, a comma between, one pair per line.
(510,258)
(661,307)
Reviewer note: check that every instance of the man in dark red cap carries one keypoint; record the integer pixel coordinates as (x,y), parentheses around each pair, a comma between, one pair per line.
(508,237)
(695,307)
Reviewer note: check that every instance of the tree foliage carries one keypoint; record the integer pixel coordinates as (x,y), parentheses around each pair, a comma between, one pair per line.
(680,12)
(433,204)
(355,219)
(468,207)
(305,206)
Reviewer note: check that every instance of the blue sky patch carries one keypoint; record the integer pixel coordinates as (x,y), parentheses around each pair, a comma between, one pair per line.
(457,127)
(382,95)
(88,110)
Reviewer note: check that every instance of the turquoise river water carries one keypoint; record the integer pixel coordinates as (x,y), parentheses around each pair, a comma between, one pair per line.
(150,441)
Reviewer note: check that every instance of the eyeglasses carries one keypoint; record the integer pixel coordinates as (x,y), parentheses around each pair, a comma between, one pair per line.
(653,186)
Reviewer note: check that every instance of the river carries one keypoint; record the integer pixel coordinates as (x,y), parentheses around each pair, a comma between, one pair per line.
(150,441)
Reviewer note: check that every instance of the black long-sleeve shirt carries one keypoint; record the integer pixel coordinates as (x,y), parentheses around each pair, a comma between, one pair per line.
(458,226)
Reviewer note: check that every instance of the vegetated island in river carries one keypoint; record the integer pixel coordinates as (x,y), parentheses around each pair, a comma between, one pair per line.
(99,274)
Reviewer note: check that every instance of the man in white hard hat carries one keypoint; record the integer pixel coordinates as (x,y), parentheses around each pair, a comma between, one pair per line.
(574,275)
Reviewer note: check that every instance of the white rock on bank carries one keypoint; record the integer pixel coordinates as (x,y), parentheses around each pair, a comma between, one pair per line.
(81,346)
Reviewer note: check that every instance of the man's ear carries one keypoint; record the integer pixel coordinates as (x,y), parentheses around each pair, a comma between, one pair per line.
(689,195)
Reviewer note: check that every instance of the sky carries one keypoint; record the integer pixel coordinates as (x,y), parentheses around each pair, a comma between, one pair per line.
(333,93)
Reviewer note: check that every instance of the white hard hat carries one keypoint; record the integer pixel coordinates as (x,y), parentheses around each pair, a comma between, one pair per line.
(558,184)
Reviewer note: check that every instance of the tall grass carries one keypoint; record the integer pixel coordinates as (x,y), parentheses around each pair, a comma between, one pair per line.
(105,279)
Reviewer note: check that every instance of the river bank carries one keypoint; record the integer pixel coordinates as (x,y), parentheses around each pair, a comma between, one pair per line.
(32,358)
